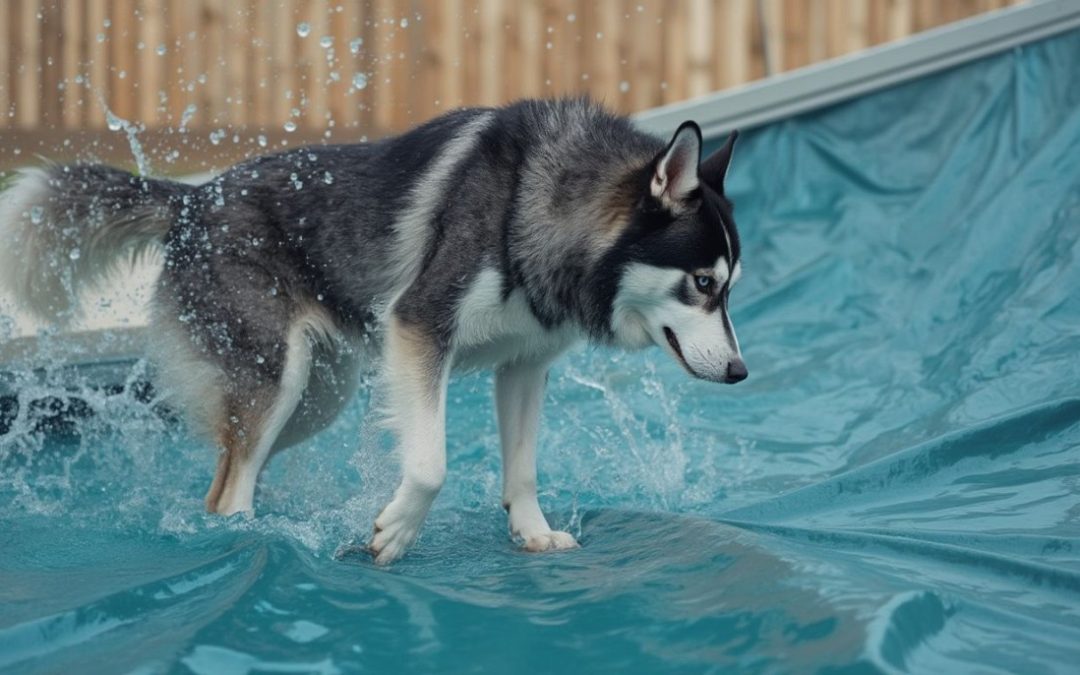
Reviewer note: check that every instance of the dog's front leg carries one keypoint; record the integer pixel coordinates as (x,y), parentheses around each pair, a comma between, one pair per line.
(519,394)
(415,377)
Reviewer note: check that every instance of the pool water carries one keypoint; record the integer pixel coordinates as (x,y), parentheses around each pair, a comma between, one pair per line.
(895,488)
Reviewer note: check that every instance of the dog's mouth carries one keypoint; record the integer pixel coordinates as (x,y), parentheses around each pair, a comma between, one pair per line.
(674,342)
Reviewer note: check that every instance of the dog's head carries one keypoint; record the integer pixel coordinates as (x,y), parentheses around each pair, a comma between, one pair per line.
(679,258)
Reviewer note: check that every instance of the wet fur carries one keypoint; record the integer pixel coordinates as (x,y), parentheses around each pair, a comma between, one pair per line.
(482,239)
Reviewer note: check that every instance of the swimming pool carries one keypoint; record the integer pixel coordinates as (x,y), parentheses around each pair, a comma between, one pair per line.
(894,488)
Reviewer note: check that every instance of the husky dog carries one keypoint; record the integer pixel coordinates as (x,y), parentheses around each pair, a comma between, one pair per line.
(486,238)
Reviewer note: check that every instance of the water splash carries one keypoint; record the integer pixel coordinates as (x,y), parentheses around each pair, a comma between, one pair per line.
(132,131)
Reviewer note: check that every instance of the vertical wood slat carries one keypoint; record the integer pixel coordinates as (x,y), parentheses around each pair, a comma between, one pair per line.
(237,68)
(152,73)
(729,62)
(646,61)
(283,69)
(629,53)
(73,46)
(5,67)
(119,38)
(97,88)
(49,62)
(23,80)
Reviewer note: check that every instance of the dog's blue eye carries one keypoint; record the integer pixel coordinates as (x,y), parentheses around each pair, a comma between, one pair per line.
(703,282)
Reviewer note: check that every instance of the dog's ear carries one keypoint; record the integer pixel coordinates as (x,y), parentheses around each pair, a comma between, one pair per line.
(714,168)
(676,173)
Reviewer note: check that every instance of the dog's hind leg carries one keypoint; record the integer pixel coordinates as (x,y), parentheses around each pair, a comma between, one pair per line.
(415,377)
(519,393)
(253,422)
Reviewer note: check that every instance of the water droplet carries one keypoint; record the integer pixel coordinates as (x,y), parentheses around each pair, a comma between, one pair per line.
(189,112)
(571,18)
(404,23)
(624,86)
(75,254)
(113,122)
(216,136)
(599,36)
(326,42)
(259,359)
(290,126)
(36,214)
(355,45)
(101,37)
(328,178)
(359,81)
(262,141)
(161,49)
(303,29)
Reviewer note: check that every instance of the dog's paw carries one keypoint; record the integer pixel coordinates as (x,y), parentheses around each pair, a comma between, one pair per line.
(395,531)
(551,540)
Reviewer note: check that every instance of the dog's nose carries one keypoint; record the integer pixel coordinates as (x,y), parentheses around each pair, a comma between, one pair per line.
(736,371)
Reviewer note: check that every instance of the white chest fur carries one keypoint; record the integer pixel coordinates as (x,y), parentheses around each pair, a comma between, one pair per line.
(490,331)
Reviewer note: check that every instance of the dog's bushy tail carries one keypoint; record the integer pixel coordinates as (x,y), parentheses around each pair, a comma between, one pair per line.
(66,228)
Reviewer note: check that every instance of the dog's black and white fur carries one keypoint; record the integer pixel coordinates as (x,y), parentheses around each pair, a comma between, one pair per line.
(486,238)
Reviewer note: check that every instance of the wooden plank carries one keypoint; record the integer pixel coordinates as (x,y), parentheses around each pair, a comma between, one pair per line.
(257,87)
(382,103)
(647,58)
(337,93)
(452,45)
(491,44)
(237,51)
(796,50)
(118,37)
(152,74)
(215,44)
(532,48)
(49,60)
(97,64)
(470,55)
(774,32)
(926,14)
(5,63)
(72,38)
(174,61)
(347,29)
(601,34)
(857,32)
(627,76)
(283,68)
(898,20)
(404,72)
(816,47)
(565,40)
(319,74)
(673,77)
(28,91)
(366,95)
(552,49)
(512,57)
(757,46)
(728,54)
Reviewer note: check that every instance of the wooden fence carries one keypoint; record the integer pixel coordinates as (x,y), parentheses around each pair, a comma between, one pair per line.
(303,69)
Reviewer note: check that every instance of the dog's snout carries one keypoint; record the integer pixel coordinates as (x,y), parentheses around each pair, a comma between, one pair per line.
(736,371)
